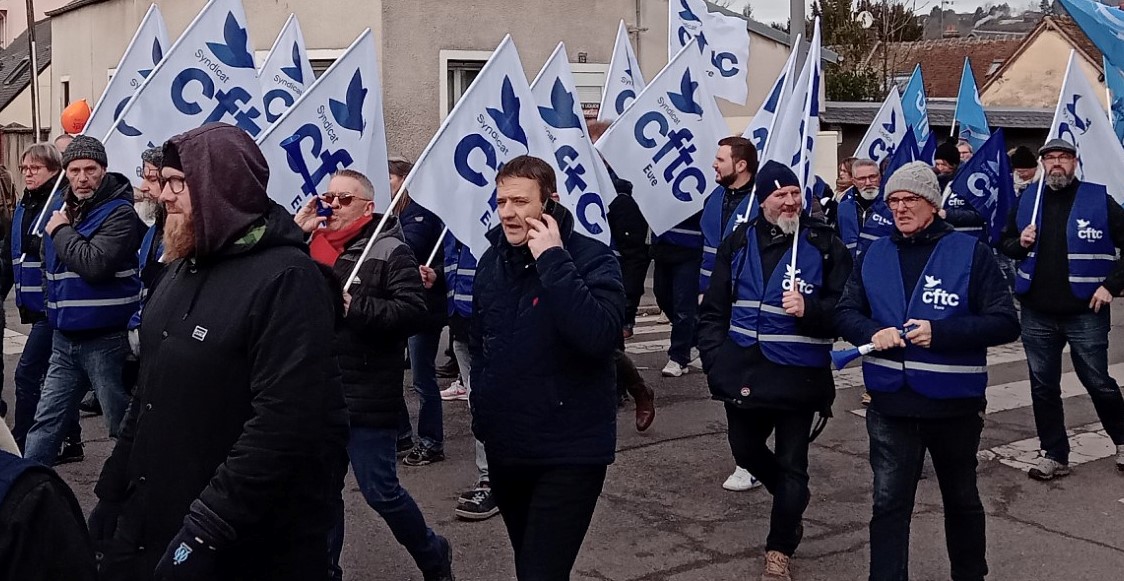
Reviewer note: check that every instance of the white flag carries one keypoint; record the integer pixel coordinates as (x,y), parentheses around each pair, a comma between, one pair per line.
(144,52)
(1081,120)
(584,185)
(794,138)
(286,71)
(624,80)
(763,122)
(337,124)
(886,131)
(495,121)
(207,75)
(723,41)
(666,141)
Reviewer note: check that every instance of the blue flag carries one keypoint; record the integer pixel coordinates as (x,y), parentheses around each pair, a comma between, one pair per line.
(915,105)
(1104,25)
(969,111)
(985,181)
(1114,78)
(929,150)
(906,152)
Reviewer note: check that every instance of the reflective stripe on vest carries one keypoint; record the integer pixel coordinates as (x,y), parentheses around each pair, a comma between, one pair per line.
(27,268)
(713,232)
(1091,254)
(460,273)
(756,316)
(879,223)
(940,293)
(74,304)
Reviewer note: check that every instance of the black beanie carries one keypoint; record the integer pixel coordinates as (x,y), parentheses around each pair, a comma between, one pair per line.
(771,177)
(171,157)
(949,153)
(1023,158)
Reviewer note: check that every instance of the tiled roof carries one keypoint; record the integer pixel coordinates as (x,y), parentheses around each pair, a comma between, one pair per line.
(14,59)
(943,60)
(940,115)
(76,4)
(1069,28)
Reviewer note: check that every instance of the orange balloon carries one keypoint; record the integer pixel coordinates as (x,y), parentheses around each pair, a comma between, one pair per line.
(75,116)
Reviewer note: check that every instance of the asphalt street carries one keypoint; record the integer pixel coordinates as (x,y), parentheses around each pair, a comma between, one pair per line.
(664,516)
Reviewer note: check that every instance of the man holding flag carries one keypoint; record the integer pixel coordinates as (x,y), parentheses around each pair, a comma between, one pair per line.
(1066,238)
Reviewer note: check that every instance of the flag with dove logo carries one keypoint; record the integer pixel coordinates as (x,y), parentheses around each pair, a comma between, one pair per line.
(286,71)
(886,132)
(762,124)
(624,80)
(985,182)
(722,40)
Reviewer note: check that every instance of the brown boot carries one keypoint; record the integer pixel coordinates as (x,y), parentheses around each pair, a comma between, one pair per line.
(645,406)
(776,567)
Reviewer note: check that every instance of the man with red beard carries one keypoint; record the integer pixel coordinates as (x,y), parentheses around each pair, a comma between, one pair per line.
(231,457)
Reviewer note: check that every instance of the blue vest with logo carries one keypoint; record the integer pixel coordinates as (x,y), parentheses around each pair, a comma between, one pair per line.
(460,273)
(957,202)
(941,293)
(1089,246)
(858,237)
(714,232)
(27,266)
(142,261)
(757,316)
(73,304)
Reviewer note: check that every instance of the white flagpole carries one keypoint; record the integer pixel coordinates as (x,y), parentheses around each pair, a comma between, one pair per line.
(378,229)
(803,159)
(1053,123)
(436,247)
(788,76)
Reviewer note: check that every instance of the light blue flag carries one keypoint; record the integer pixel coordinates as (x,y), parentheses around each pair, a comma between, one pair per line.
(969,111)
(1114,78)
(1104,25)
(915,106)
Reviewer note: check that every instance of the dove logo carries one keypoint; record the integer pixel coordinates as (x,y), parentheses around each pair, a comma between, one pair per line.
(678,171)
(939,298)
(802,287)
(1088,233)
(330,161)
(560,114)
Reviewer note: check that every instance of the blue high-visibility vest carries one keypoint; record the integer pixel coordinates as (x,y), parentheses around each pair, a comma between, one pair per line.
(857,237)
(460,274)
(714,232)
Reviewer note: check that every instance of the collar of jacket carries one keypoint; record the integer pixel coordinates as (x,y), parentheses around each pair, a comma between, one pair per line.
(935,231)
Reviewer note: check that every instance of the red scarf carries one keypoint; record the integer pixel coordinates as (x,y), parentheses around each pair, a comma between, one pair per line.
(326,246)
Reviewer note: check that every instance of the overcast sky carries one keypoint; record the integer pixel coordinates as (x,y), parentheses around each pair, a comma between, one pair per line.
(777,10)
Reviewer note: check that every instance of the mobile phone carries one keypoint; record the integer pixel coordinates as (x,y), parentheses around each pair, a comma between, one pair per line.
(323,209)
(551,207)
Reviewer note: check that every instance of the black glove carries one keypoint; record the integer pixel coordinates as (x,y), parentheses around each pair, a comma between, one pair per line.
(188,556)
(103,519)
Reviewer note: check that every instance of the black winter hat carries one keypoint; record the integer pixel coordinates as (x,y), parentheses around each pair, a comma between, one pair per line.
(771,177)
(948,152)
(85,147)
(1023,158)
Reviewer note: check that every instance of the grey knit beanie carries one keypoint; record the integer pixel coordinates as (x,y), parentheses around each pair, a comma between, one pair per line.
(154,155)
(916,178)
(85,147)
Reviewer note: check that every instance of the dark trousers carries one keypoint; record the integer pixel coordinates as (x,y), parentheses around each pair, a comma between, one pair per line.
(634,269)
(629,380)
(1044,337)
(547,511)
(783,471)
(897,453)
(676,285)
(423,355)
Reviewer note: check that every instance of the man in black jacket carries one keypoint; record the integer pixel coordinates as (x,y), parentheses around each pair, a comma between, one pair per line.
(548,307)
(931,316)
(1066,278)
(232,456)
(383,306)
(766,346)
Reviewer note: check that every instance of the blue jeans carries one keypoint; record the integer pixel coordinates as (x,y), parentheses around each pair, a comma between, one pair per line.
(423,355)
(29,375)
(372,453)
(676,286)
(897,453)
(1044,337)
(75,366)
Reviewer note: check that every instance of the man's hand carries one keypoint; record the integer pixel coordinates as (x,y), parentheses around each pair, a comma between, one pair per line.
(58,218)
(428,276)
(307,218)
(187,557)
(346,302)
(922,333)
(1101,298)
(1029,235)
(888,338)
(793,303)
(544,235)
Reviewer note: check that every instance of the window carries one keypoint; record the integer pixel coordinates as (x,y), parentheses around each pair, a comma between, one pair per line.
(589,79)
(20,68)
(995,64)
(459,77)
(320,65)
(64,91)
(3,29)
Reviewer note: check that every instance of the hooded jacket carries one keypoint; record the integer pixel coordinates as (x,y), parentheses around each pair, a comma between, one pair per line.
(238,424)
(542,338)
(387,306)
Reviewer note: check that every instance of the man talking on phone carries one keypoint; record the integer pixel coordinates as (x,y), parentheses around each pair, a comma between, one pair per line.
(548,307)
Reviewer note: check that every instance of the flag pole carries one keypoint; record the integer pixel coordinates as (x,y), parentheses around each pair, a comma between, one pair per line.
(1053,124)
(378,229)
(436,247)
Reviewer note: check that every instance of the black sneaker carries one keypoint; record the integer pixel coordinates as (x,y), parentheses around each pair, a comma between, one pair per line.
(421,455)
(90,405)
(405,446)
(477,504)
(446,571)
(71,452)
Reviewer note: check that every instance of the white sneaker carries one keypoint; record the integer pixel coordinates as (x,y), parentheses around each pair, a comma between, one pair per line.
(740,481)
(455,391)
(673,369)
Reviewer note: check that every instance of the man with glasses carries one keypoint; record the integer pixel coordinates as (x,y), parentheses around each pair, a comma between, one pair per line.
(1067,275)
(931,300)
(92,291)
(862,215)
(384,306)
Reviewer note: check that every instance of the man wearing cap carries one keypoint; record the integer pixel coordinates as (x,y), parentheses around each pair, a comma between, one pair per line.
(945,162)
(1066,277)
(927,386)
(765,346)
(1024,167)
(92,288)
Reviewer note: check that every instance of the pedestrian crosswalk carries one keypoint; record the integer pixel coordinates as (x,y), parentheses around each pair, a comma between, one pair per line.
(1088,442)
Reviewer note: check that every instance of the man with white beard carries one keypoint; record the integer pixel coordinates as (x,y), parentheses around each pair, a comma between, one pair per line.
(863,216)
(765,336)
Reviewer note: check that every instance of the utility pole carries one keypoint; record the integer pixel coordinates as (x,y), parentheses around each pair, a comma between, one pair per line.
(34,71)
(796,20)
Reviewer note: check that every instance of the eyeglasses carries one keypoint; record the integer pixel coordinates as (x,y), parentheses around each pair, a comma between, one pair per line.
(176,184)
(33,168)
(344,198)
(867,179)
(1058,158)
(904,201)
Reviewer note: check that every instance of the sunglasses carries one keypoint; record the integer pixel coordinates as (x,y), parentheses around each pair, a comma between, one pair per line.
(343,198)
